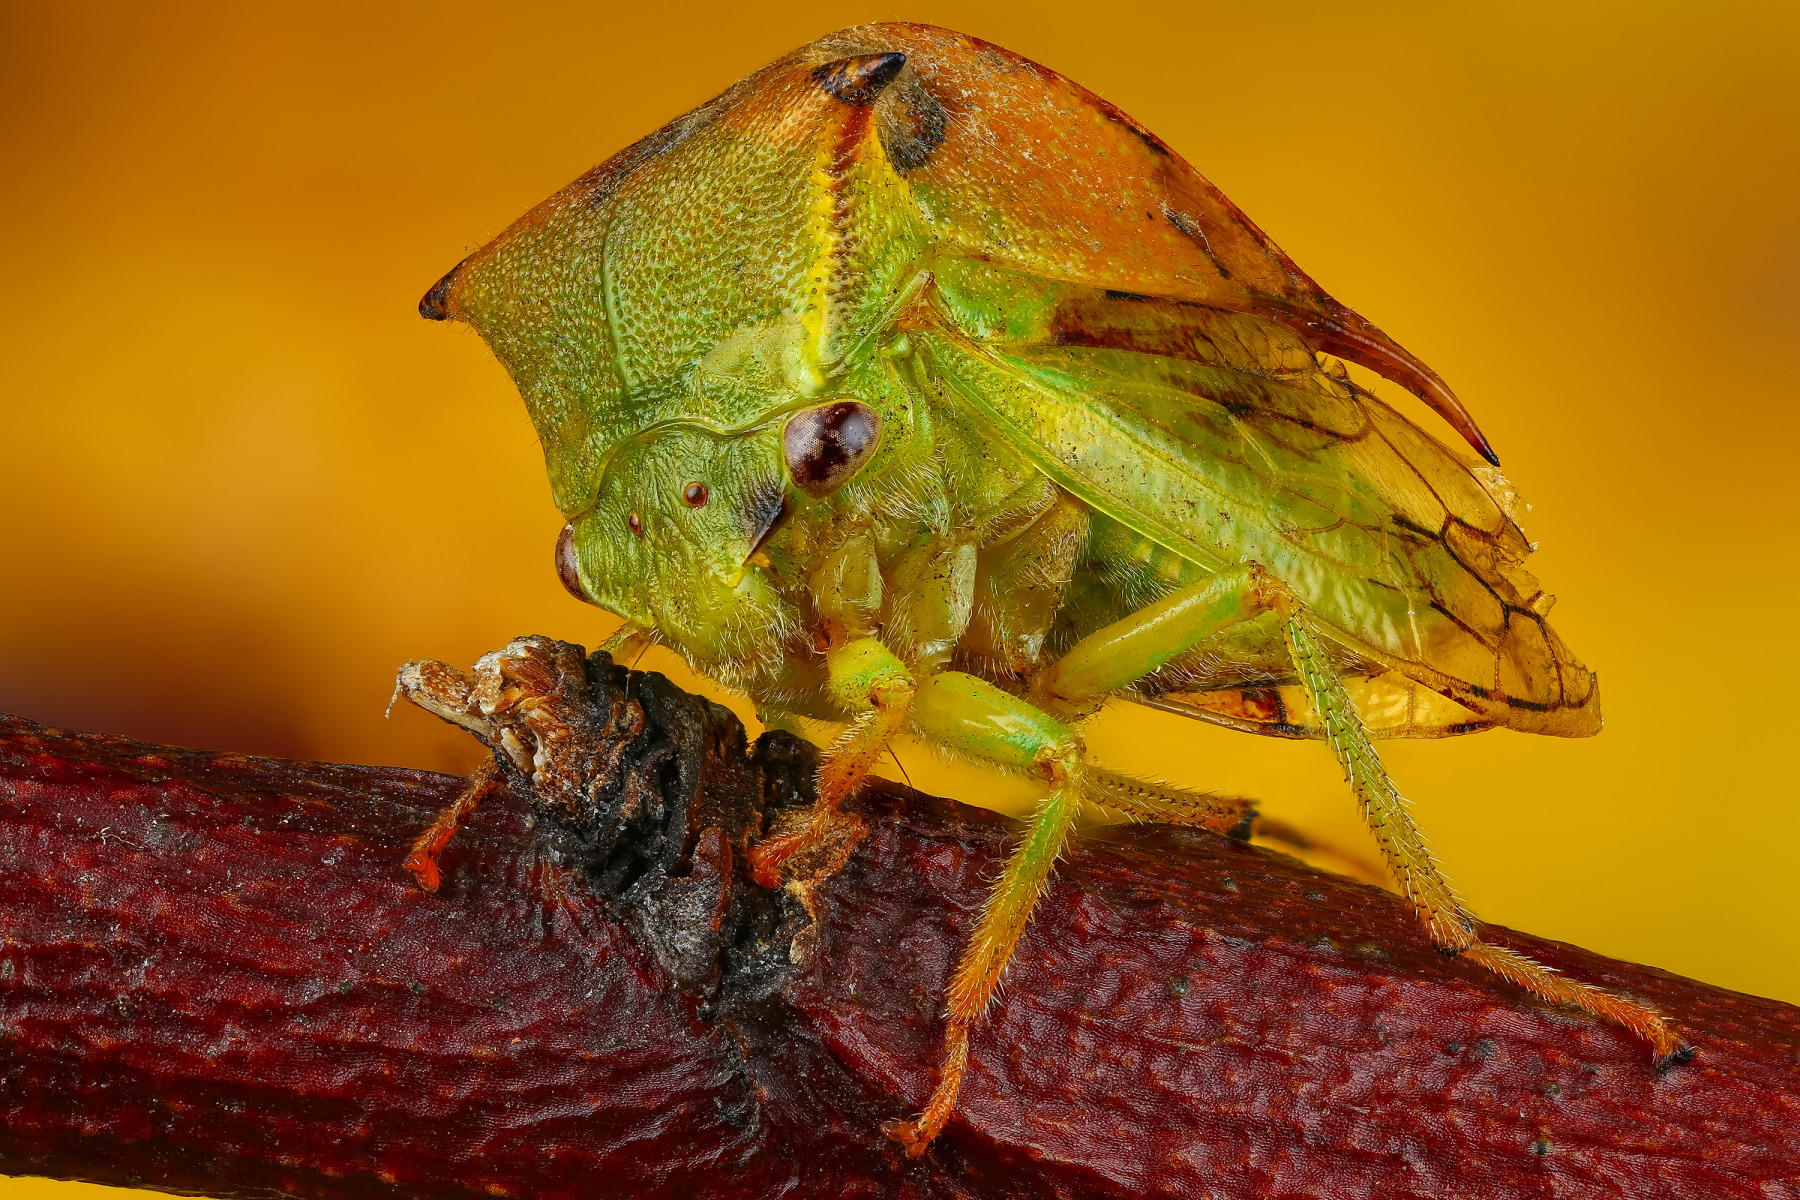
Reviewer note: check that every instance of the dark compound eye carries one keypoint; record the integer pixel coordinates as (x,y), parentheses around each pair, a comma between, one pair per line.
(694,494)
(827,445)
(636,526)
(565,563)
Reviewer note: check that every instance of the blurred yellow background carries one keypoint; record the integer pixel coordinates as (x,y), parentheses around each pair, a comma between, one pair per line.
(243,481)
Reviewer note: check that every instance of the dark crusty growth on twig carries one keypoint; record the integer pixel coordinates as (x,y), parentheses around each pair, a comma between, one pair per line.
(216,977)
(650,793)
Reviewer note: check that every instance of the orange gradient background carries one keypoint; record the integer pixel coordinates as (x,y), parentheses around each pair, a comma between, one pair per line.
(243,481)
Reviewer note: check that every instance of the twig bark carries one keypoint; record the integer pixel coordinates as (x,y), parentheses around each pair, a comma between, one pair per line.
(216,977)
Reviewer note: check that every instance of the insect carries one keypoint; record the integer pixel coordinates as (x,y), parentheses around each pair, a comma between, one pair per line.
(908,384)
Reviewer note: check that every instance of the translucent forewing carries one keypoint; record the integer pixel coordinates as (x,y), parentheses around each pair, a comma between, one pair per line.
(1221,438)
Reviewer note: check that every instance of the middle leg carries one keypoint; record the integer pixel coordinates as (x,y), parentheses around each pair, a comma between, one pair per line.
(1166,804)
(974,716)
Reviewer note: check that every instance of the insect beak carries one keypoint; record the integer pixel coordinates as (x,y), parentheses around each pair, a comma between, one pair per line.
(770,525)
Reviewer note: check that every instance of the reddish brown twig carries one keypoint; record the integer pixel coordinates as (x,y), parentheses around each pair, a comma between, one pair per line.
(218,976)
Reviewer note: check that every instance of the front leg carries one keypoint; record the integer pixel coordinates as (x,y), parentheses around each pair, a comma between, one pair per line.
(927,605)
(866,678)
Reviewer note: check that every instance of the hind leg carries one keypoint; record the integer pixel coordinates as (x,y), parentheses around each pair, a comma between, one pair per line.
(1449,924)
(1120,654)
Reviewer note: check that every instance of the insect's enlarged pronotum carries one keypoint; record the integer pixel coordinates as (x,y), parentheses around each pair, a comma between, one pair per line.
(909,385)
